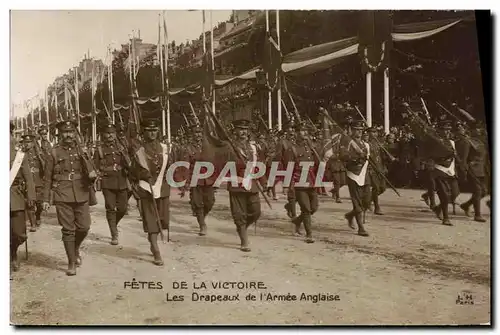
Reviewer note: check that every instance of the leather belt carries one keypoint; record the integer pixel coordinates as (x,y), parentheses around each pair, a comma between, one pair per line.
(69,176)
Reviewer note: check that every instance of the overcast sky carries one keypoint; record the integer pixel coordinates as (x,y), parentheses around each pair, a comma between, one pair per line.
(45,44)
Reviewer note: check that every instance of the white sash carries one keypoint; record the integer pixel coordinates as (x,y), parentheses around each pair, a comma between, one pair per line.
(450,170)
(247,181)
(361,178)
(16,165)
(159,180)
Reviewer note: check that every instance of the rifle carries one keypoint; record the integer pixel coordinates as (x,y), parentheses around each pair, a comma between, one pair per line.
(437,139)
(447,111)
(370,161)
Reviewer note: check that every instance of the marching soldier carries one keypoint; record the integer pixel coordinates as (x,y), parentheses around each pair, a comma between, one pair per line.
(244,199)
(36,162)
(201,196)
(43,142)
(444,173)
(306,195)
(149,167)
(282,148)
(475,163)
(70,175)
(376,181)
(355,155)
(22,195)
(112,163)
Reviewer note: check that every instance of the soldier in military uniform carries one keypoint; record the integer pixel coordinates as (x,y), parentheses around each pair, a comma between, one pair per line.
(43,142)
(243,199)
(36,162)
(149,167)
(283,146)
(22,195)
(355,155)
(379,158)
(444,172)
(306,194)
(113,163)
(69,174)
(475,167)
(201,196)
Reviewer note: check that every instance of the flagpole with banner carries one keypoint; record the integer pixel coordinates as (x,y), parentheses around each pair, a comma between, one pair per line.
(213,58)
(162,97)
(167,86)
(269,94)
(77,100)
(278,93)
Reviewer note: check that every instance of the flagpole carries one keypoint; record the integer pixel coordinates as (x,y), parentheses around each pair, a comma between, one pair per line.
(167,92)
(47,112)
(213,59)
(112,108)
(204,44)
(77,100)
(32,113)
(93,109)
(269,94)
(160,52)
(278,74)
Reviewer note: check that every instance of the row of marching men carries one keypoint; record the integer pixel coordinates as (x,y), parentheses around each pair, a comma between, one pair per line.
(120,170)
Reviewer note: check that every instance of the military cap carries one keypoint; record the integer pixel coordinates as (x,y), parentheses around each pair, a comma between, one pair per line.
(301,125)
(445,124)
(42,127)
(459,124)
(358,124)
(28,135)
(150,124)
(290,124)
(372,129)
(241,123)
(108,127)
(196,128)
(67,125)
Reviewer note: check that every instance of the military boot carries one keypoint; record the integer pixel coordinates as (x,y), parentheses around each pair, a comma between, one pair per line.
(361,226)
(337,195)
(466,207)
(113,229)
(477,210)
(350,217)
(201,222)
(243,234)
(69,246)
(297,222)
(438,211)
(377,210)
(308,228)
(79,237)
(446,219)
(155,249)
(14,261)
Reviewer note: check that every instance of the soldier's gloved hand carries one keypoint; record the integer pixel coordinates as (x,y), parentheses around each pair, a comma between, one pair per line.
(45,206)
(31,204)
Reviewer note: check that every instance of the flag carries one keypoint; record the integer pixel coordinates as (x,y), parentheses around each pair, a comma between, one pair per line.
(215,143)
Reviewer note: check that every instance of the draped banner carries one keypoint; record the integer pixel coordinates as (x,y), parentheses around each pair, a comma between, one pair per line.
(415,31)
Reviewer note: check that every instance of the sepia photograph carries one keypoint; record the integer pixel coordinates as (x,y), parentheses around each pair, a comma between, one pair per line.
(250,167)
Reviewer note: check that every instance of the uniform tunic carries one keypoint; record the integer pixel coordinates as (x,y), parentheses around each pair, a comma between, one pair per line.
(66,175)
(22,190)
(306,196)
(378,158)
(244,203)
(109,161)
(154,157)
(36,165)
(358,180)
(201,196)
